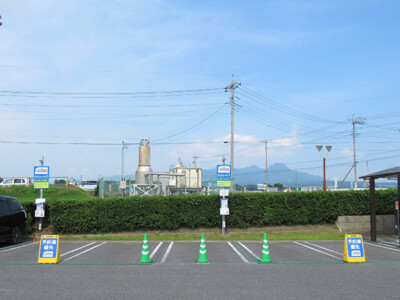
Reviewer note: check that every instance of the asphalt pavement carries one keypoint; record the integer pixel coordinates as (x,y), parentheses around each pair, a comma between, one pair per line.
(110,270)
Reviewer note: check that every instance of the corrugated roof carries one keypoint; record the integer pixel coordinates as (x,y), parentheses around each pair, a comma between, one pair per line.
(388,173)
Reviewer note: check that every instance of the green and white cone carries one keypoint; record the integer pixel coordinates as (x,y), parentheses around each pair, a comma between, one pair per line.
(265,256)
(203,259)
(145,257)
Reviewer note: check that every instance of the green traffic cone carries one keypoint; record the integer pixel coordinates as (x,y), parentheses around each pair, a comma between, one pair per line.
(145,257)
(265,256)
(203,259)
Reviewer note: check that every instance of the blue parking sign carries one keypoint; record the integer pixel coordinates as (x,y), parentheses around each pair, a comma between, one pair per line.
(49,250)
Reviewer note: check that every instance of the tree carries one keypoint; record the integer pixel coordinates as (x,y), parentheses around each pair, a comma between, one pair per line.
(60,182)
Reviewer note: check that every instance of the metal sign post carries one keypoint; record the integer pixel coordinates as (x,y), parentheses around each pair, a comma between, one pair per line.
(41,176)
(224,180)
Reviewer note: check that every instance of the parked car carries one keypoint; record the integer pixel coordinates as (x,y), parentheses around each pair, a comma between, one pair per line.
(88,185)
(12,220)
(16,181)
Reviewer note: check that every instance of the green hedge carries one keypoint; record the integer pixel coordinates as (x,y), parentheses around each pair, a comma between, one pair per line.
(246,209)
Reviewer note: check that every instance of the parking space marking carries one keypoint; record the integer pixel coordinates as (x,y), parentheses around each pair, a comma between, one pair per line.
(318,246)
(83,252)
(166,253)
(77,249)
(248,250)
(18,247)
(155,250)
(385,247)
(322,252)
(238,253)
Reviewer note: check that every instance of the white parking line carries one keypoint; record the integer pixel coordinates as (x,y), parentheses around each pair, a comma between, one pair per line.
(248,250)
(83,252)
(155,250)
(18,247)
(77,249)
(166,253)
(238,253)
(387,248)
(323,248)
(324,253)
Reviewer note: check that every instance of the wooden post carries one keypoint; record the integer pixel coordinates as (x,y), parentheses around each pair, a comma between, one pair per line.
(372,208)
(398,199)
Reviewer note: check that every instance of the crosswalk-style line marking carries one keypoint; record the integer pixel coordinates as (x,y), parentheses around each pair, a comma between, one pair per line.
(83,252)
(238,253)
(72,251)
(318,246)
(166,253)
(248,250)
(155,250)
(18,247)
(384,247)
(319,251)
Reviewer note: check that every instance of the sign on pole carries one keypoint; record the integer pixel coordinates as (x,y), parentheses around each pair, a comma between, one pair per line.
(224,175)
(224,209)
(41,175)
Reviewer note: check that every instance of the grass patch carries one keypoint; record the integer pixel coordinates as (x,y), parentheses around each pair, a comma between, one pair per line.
(29,194)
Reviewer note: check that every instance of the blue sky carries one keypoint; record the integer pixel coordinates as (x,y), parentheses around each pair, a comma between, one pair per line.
(79,77)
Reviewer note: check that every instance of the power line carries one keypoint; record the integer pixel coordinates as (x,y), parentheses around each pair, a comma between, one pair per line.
(107,95)
(191,127)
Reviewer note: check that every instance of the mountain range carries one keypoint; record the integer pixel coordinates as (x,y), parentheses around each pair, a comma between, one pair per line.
(252,175)
(277,173)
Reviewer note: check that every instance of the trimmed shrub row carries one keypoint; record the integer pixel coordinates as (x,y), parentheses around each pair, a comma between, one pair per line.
(246,209)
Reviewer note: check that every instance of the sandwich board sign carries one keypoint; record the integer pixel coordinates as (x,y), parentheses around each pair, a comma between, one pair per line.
(49,249)
(353,248)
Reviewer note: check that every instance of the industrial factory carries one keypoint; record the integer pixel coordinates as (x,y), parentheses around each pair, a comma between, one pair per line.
(178,180)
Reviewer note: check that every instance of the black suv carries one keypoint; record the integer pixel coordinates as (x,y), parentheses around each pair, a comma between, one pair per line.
(12,219)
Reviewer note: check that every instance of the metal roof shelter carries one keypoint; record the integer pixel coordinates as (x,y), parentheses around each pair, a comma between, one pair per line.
(392,173)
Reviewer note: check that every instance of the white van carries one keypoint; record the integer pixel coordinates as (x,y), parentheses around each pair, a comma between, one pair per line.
(16,181)
(88,185)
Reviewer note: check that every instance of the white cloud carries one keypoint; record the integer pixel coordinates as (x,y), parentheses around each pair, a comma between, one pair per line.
(347,152)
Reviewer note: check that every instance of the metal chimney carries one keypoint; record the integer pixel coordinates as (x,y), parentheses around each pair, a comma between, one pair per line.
(144,162)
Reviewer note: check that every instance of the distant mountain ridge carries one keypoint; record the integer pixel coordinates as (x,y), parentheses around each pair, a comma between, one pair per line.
(277,173)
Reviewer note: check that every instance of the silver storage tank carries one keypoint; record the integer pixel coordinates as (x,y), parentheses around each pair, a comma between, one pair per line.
(144,162)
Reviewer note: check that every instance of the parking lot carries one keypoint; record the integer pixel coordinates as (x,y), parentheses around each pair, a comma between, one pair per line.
(110,269)
(232,252)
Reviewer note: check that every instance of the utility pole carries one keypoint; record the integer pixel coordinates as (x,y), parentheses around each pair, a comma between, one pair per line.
(41,160)
(232,87)
(354,122)
(266,164)
(123,180)
(195,161)
(319,147)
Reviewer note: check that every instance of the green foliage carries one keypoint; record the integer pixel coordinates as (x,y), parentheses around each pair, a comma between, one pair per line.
(193,211)
(60,182)
(27,195)
(71,210)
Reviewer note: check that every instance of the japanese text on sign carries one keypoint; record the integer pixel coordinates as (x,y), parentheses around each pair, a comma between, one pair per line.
(41,177)
(49,251)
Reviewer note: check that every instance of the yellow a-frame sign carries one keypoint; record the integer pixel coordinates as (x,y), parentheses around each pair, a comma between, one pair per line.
(353,248)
